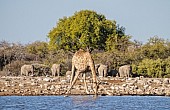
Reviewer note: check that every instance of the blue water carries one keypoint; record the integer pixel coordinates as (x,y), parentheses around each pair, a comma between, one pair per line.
(84,103)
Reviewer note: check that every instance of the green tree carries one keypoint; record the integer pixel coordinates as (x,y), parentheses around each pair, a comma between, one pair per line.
(85,29)
(155,48)
(118,40)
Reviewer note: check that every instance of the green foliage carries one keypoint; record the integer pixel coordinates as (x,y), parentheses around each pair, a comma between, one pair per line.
(85,29)
(155,48)
(167,67)
(153,68)
(152,59)
(38,48)
(117,40)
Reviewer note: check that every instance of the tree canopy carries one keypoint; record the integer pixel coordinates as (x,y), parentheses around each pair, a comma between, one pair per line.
(86,29)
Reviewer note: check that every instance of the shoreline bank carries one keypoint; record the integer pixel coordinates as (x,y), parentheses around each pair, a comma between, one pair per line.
(57,86)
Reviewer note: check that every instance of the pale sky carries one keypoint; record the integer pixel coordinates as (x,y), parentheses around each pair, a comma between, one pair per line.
(27,21)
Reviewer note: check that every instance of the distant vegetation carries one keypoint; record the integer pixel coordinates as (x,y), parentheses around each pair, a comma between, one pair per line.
(106,40)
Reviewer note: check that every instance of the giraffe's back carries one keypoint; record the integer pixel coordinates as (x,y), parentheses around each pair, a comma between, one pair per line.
(81,60)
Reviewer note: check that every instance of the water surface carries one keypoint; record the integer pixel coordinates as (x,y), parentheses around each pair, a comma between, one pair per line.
(84,103)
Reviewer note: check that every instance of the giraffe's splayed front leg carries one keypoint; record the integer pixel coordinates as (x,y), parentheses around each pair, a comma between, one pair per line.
(73,82)
(95,87)
(85,83)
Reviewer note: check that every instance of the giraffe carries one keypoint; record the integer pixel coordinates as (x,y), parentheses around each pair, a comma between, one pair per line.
(80,62)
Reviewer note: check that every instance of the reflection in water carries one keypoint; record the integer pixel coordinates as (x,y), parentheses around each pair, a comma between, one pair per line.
(83,99)
(82,102)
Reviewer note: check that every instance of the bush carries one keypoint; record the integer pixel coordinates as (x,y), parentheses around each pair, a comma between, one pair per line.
(13,69)
(153,68)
